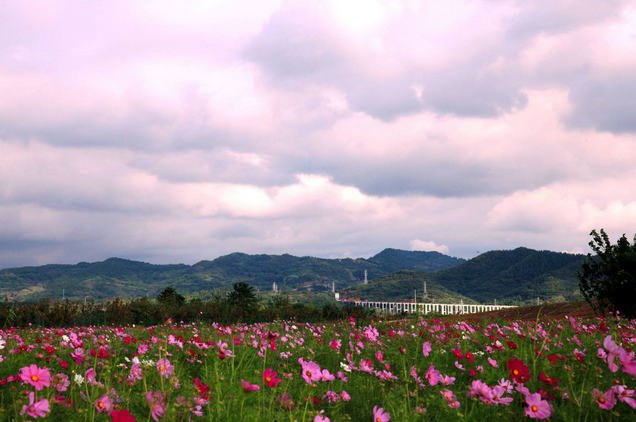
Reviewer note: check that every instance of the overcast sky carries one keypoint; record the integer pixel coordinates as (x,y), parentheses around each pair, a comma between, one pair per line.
(177,131)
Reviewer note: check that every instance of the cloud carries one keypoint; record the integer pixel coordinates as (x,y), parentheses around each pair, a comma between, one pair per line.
(323,128)
(428,246)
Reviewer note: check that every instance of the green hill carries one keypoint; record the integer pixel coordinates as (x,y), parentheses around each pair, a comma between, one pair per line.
(123,278)
(515,276)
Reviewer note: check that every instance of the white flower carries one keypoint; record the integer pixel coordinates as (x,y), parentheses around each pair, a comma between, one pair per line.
(135,360)
(65,338)
(345,367)
(3,343)
(78,379)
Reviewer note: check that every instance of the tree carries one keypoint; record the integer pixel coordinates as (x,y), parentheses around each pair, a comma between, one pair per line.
(169,296)
(243,299)
(608,280)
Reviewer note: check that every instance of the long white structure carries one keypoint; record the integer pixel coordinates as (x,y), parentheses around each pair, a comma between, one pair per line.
(425,308)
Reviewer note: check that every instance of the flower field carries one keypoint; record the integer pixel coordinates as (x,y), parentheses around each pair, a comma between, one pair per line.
(377,370)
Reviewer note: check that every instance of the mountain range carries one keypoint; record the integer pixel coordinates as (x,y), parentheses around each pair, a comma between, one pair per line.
(509,276)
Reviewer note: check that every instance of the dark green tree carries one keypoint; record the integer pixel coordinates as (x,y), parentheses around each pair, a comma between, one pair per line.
(243,299)
(170,297)
(608,279)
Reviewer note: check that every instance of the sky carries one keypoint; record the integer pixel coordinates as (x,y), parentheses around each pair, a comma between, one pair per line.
(173,132)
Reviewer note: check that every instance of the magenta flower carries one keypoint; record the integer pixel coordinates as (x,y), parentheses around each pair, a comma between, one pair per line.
(156,403)
(164,367)
(432,375)
(379,415)
(36,409)
(538,408)
(605,400)
(625,395)
(61,382)
(249,387)
(311,372)
(103,404)
(135,372)
(426,348)
(269,377)
(37,377)
(326,375)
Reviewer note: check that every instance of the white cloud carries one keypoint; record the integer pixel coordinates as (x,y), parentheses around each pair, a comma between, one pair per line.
(428,246)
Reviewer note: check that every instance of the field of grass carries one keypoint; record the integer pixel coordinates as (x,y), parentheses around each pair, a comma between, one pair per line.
(567,369)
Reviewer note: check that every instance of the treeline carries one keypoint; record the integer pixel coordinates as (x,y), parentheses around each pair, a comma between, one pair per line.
(233,308)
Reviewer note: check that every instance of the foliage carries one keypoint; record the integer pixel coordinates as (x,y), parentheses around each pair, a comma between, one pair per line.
(608,280)
(170,296)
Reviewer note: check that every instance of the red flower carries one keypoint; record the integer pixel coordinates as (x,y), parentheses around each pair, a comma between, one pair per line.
(201,388)
(269,376)
(458,353)
(511,344)
(518,370)
(548,380)
(552,359)
(470,357)
(545,394)
(122,416)
(472,372)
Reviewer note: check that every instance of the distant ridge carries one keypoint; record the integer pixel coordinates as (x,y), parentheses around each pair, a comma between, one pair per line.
(512,276)
(116,277)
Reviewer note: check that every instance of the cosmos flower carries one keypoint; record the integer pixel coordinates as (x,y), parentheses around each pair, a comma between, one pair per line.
(379,415)
(156,403)
(518,370)
(269,377)
(37,377)
(36,409)
(103,404)
(537,407)
(249,387)
(122,415)
(311,372)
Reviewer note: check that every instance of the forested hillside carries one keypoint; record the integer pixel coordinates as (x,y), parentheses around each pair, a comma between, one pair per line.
(515,276)
(125,278)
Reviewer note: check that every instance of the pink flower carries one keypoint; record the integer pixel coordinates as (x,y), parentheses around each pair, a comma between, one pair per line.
(448,380)
(492,362)
(164,367)
(538,408)
(156,403)
(35,409)
(320,418)
(379,415)
(103,404)
(497,393)
(432,375)
(347,397)
(39,378)
(454,404)
(625,395)
(249,387)
(605,400)
(327,376)
(135,372)
(426,348)
(61,382)
(311,372)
